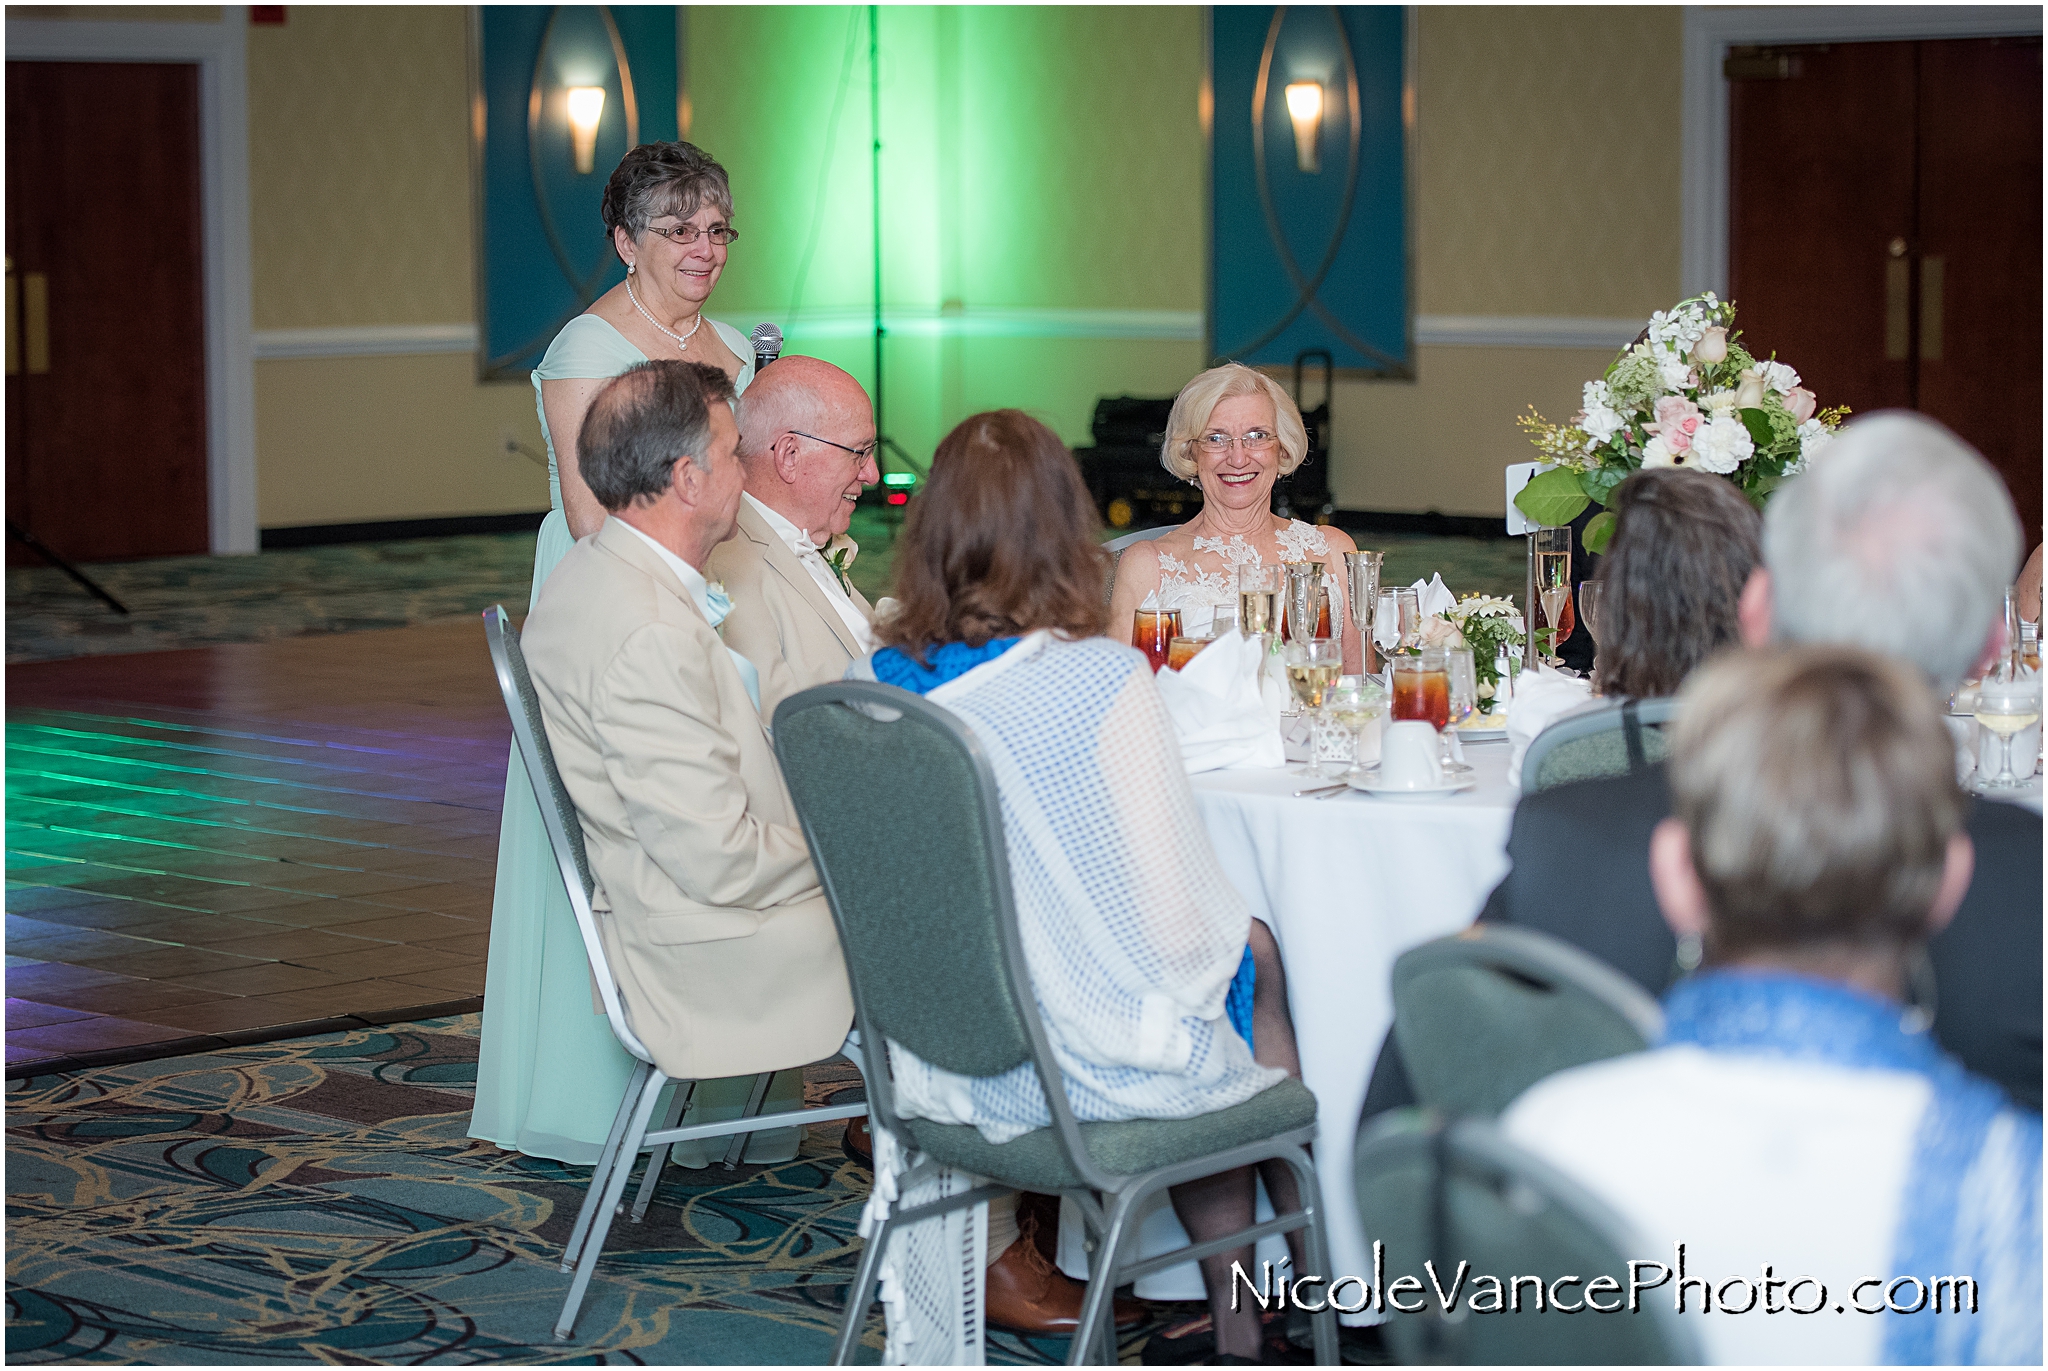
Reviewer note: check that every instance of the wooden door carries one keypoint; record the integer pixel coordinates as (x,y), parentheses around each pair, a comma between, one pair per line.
(106,384)
(1885,232)
(1979,340)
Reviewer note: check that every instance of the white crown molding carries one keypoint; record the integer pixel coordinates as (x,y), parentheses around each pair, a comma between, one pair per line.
(1154,325)
(375,340)
(1524,331)
(221,53)
(1710,32)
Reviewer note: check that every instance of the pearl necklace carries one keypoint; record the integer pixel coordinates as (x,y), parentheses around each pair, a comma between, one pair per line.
(681,340)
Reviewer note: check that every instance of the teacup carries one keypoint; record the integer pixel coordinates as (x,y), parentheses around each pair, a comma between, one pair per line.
(1408,756)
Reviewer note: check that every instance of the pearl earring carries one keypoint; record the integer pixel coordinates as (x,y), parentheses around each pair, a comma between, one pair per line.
(629,268)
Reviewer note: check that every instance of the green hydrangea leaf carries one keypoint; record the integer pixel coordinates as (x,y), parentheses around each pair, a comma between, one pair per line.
(1554,498)
(1599,532)
(1759,425)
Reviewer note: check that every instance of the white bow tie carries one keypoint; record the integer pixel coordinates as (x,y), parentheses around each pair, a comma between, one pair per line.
(800,543)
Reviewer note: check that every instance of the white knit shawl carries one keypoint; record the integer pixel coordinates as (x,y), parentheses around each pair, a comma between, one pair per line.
(1130,930)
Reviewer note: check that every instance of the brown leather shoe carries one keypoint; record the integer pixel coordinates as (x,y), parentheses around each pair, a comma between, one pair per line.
(1028,1294)
(857,1145)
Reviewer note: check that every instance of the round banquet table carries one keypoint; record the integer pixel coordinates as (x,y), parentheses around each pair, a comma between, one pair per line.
(1347,885)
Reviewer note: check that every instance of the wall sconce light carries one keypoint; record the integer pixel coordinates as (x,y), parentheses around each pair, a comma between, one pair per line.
(1305,107)
(586,108)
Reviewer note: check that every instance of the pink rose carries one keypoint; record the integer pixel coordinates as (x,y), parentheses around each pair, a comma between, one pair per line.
(1677,420)
(1800,403)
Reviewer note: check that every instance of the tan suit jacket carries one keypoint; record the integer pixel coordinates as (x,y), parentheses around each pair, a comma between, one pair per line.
(781,620)
(707,904)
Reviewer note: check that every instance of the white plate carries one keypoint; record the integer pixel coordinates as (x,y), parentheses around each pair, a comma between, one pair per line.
(1369,781)
(1483,735)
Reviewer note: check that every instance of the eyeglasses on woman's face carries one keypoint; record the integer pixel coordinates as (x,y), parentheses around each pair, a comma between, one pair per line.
(1217,444)
(683,235)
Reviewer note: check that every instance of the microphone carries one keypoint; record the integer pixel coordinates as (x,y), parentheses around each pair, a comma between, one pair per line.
(767,345)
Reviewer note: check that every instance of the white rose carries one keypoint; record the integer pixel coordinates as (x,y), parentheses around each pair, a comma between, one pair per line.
(1656,455)
(1600,421)
(1778,377)
(1721,445)
(1721,404)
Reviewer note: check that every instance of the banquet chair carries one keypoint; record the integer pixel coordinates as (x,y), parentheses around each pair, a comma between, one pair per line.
(1485,1013)
(1451,1192)
(901,811)
(630,1134)
(1116,548)
(1614,740)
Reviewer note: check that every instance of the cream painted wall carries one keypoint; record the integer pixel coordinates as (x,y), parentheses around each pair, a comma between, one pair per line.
(1542,189)
(361,438)
(1547,183)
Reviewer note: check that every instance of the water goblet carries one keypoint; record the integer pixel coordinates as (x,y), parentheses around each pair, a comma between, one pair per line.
(2008,702)
(1461,700)
(1589,608)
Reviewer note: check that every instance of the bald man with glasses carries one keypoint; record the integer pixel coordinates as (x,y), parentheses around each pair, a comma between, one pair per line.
(807,445)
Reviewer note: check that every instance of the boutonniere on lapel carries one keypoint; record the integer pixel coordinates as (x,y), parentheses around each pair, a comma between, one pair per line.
(839,554)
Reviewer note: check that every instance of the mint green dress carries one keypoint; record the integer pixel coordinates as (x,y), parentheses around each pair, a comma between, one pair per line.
(549,1071)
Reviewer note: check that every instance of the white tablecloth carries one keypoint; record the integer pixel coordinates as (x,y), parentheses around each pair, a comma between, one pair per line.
(1347,885)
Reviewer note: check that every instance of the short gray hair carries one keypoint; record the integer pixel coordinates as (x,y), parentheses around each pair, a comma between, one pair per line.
(645,420)
(1817,787)
(1198,400)
(663,178)
(1900,539)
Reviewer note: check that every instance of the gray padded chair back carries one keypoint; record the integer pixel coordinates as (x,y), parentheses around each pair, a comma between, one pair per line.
(1484,1014)
(900,811)
(1508,1213)
(1588,746)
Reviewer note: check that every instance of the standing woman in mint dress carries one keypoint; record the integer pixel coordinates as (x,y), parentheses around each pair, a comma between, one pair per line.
(549,1071)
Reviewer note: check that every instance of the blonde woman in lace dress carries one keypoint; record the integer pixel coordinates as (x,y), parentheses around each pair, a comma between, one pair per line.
(1233,432)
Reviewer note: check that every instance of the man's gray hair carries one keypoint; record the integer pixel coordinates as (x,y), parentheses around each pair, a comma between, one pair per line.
(765,413)
(1899,539)
(645,420)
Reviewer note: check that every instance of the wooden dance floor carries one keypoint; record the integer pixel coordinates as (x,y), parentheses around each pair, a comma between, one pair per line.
(236,843)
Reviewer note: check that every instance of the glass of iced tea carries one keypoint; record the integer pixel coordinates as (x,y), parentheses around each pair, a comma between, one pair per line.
(1182,650)
(1422,687)
(1153,632)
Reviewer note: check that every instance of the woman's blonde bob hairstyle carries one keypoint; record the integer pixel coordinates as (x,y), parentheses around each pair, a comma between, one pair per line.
(1199,398)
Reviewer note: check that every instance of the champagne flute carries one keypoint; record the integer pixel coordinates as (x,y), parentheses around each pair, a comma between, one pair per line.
(1589,607)
(1553,584)
(1306,607)
(1462,700)
(2008,702)
(1258,599)
(1363,570)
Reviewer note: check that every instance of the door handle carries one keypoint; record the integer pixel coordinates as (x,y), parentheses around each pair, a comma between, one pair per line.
(1931,271)
(35,309)
(1898,318)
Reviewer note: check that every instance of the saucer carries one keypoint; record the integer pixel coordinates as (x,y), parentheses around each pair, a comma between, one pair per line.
(1483,735)
(1368,781)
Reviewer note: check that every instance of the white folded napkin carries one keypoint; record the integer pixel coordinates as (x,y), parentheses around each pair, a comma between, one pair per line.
(1541,697)
(1219,714)
(1432,596)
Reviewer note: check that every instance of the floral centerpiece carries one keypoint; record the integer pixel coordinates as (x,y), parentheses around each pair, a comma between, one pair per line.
(1688,393)
(1492,627)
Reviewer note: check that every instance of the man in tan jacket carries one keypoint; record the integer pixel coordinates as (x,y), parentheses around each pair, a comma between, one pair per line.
(706,900)
(807,444)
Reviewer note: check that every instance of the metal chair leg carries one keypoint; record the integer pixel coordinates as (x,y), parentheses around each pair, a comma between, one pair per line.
(1097,1320)
(861,1295)
(659,1158)
(737,1148)
(615,1187)
(1323,1323)
(601,1173)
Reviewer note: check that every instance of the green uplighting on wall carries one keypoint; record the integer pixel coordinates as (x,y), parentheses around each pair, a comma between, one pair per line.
(1041,198)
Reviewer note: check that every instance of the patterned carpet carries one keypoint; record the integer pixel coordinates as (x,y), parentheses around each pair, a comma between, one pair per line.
(180,602)
(316,1201)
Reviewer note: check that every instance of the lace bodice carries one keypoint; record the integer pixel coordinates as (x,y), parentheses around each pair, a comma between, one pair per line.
(1185,585)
